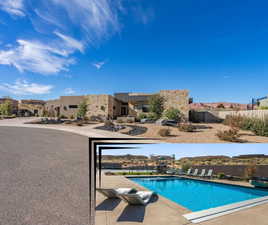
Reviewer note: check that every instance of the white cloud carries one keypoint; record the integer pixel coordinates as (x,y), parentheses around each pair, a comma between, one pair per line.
(98,65)
(22,87)
(37,57)
(13,7)
(69,91)
(71,42)
(95,18)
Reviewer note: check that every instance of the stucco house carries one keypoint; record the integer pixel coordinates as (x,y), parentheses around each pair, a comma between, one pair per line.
(31,107)
(262,102)
(119,104)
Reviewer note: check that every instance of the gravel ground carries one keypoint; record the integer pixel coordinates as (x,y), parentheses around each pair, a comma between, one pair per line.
(44,177)
(206,133)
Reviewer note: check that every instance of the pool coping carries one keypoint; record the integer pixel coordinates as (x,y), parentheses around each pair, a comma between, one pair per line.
(208,214)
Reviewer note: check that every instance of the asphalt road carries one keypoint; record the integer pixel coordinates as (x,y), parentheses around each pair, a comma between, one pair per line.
(43,177)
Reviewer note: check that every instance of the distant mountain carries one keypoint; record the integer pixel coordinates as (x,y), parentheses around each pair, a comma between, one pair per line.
(219,105)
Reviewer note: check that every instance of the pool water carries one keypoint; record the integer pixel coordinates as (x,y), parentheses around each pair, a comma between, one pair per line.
(198,195)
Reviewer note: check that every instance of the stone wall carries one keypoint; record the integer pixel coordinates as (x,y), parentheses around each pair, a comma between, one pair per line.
(33,109)
(247,113)
(178,99)
(103,105)
(65,106)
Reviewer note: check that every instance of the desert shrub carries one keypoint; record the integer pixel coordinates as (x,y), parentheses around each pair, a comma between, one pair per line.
(108,173)
(234,121)
(187,127)
(119,121)
(96,118)
(260,127)
(230,135)
(263,107)
(63,117)
(108,123)
(152,116)
(130,121)
(79,123)
(221,176)
(164,132)
(173,114)
(220,106)
(257,126)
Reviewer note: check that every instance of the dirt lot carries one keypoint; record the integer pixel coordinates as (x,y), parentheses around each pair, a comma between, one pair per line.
(206,133)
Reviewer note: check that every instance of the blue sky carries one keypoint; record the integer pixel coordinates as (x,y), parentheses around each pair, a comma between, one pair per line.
(216,49)
(192,150)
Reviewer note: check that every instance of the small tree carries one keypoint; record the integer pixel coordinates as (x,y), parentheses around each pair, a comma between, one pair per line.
(220,106)
(82,110)
(156,105)
(173,114)
(6,108)
(186,166)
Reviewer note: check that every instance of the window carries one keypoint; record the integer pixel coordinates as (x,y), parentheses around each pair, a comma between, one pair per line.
(73,106)
(145,108)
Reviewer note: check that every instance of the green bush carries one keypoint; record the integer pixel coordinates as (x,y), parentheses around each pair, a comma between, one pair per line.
(6,108)
(164,132)
(263,107)
(152,116)
(156,105)
(187,127)
(257,126)
(173,114)
(82,110)
(142,116)
(186,166)
(221,176)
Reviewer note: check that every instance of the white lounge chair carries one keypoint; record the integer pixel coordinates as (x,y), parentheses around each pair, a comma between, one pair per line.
(179,172)
(139,198)
(209,174)
(171,171)
(114,193)
(203,173)
(195,173)
(189,172)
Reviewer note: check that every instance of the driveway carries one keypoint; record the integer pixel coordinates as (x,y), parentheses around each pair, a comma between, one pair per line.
(88,130)
(44,177)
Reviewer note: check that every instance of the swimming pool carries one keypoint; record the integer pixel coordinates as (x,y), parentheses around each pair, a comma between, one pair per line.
(198,195)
